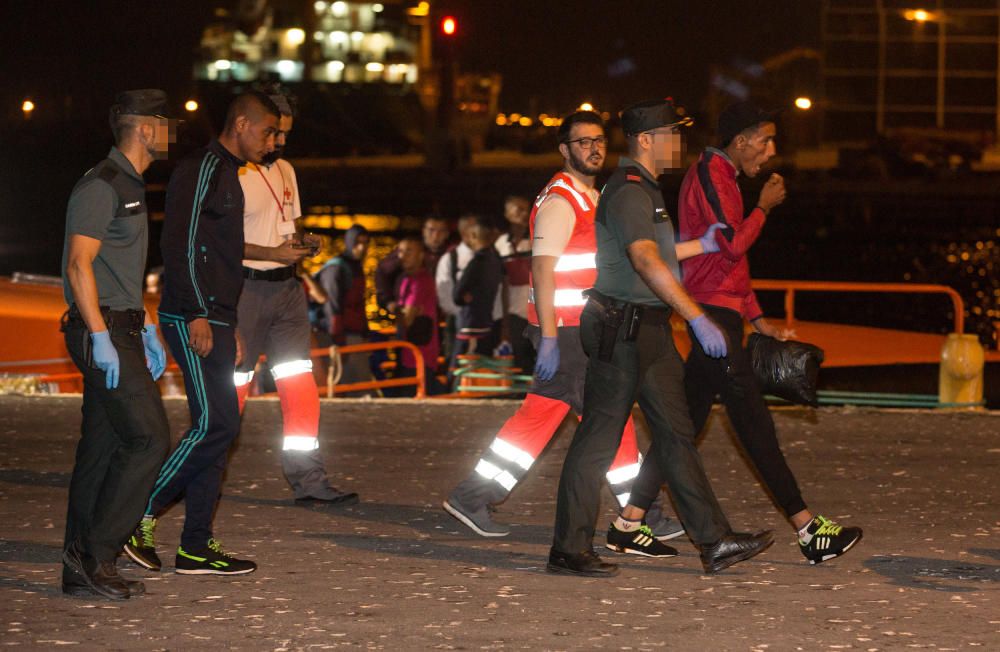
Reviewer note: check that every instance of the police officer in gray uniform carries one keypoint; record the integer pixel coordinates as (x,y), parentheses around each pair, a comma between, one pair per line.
(112,340)
(626,335)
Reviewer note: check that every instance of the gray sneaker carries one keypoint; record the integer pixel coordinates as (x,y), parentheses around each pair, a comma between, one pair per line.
(664,528)
(479,520)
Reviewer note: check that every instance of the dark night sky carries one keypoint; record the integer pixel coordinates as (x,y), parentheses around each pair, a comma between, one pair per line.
(550,52)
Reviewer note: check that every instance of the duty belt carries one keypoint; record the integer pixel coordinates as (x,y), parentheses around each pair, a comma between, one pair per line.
(616,313)
(646,312)
(277,274)
(129,320)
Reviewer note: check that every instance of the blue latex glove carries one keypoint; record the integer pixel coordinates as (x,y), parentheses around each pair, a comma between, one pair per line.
(105,357)
(547,362)
(156,357)
(709,336)
(708,242)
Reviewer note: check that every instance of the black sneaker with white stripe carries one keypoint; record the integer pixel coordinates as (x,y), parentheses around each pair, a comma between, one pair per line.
(638,542)
(828,540)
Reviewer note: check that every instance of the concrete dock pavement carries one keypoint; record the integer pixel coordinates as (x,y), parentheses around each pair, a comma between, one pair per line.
(397,572)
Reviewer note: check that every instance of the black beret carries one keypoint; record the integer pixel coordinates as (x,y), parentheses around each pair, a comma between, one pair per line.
(146,101)
(738,117)
(652,114)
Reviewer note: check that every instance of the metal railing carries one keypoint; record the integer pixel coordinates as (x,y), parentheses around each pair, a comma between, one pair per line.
(419,379)
(791,287)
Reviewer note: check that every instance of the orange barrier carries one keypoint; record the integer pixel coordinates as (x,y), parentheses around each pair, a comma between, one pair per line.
(791,287)
(419,380)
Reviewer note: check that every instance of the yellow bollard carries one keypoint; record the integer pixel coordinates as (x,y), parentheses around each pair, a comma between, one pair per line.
(960,379)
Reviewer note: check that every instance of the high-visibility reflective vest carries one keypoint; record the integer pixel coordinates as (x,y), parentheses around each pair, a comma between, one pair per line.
(576,269)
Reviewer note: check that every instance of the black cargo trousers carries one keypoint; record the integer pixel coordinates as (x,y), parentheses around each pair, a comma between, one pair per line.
(648,369)
(124,439)
(731,379)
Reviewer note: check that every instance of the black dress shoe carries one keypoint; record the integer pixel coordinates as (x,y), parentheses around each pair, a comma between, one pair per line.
(99,578)
(584,563)
(77,587)
(734,547)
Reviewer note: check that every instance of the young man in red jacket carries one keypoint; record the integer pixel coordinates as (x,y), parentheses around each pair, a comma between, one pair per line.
(720,283)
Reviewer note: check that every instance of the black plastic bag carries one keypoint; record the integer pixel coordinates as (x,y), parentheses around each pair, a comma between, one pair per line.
(786,369)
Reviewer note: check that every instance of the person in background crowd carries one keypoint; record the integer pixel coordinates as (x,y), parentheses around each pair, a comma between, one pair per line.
(416,317)
(449,269)
(476,292)
(344,320)
(514,247)
(389,272)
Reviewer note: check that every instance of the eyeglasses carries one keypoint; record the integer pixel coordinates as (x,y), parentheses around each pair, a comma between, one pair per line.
(590,143)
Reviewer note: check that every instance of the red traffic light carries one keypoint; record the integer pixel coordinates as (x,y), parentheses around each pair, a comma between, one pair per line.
(449,26)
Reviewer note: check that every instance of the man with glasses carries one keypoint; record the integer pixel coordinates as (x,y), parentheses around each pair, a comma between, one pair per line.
(626,335)
(563,247)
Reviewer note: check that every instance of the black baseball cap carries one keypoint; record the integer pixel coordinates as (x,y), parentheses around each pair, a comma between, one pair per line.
(653,114)
(145,101)
(741,116)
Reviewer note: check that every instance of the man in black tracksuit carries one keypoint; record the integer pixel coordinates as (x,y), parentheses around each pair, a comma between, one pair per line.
(202,246)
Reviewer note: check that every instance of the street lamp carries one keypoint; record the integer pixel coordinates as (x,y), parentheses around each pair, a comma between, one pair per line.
(803,103)
(191,106)
(27,107)
(918,15)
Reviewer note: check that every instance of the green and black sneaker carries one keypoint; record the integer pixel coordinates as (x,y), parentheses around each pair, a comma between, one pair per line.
(141,547)
(212,560)
(828,539)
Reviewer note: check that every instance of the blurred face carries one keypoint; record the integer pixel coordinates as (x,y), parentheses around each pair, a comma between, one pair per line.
(516,211)
(754,148)
(411,256)
(255,135)
(435,234)
(360,247)
(667,146)
(585,149)
(157,134)
(280,138)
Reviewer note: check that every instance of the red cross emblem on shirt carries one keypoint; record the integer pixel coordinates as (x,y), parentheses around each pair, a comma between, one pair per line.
(288,194)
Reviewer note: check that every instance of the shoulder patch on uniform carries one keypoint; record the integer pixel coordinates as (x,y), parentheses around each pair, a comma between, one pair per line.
(108,173)
(632,175)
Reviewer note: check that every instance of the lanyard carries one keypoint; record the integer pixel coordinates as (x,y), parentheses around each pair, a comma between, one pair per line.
(281,207)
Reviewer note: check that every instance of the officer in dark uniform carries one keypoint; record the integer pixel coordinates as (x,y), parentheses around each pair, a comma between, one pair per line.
(124,436)
(626,335)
